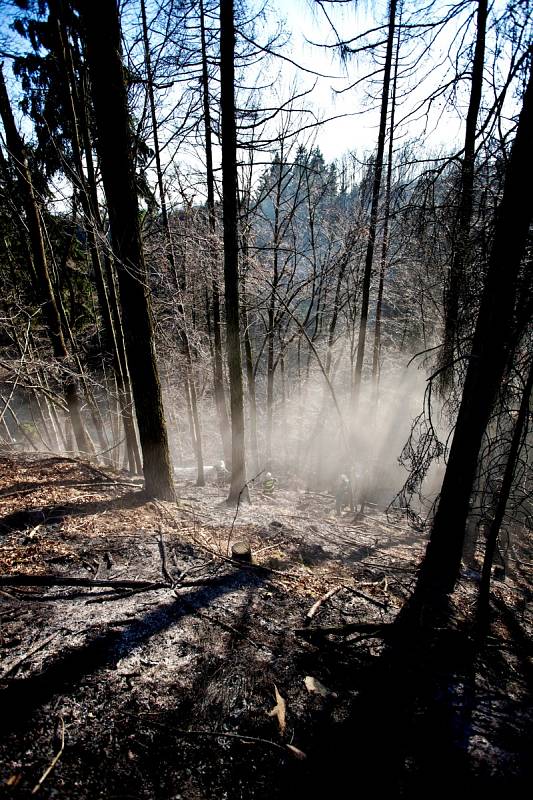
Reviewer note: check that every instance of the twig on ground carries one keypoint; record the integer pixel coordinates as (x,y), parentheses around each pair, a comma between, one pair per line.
(162,553)
(53,762)
(225,625)
(224,735)
(316,606)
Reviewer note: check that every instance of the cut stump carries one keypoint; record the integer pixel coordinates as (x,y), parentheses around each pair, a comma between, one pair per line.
(241,551)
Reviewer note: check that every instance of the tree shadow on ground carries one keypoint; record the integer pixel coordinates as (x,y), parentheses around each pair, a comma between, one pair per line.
(53,514)
(408,730)
(23,697)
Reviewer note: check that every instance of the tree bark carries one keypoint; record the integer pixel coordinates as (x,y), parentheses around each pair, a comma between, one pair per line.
(180,286)
(496,523)
(466,201)
(238,486)
(218,370)
(492,344)
(376,186)
(115,148)
(89,200)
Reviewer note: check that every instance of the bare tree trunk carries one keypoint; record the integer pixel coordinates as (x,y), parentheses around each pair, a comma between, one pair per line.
(491,347)
(466,201)
(218,371)
(378,168)
(102,37)
(180,286)
(238,486)
(386,222)
(6,407)
(250,379)
(496,523)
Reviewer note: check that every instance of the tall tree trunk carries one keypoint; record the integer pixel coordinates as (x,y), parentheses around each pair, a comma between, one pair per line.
(492,343)
(250,379)
(115,148)
(376,186)
(386,221)
(180,286)
(218,370)
(89,199)
(38,252)
(503,497)
(466,202)
(238,486)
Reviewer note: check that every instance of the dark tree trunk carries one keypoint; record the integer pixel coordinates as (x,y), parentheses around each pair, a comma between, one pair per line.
(507,482)
(180,286)
(115,148)
(250,379)
(376,186)
(386,221)
(231,249)
(492,344)
(218,371)
(466,201)
(89,199)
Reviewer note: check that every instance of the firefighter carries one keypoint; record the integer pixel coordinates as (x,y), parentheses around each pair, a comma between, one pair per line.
(269,484)
(221,473)
(343,495)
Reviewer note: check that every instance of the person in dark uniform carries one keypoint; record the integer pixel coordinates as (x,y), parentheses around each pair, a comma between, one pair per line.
(343,495)
(222,475)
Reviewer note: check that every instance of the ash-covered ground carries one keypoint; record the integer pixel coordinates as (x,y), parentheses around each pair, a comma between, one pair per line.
(197,677)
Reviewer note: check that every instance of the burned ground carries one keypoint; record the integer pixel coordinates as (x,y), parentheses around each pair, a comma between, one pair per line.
(166,692)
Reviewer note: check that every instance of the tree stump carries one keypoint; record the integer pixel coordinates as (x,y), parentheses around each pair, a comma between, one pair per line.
(241,551)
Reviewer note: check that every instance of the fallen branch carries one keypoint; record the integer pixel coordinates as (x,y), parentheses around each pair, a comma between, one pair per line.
(28,654)
(60,580)
(367,597)
(367,629)
(53,762)
(238,736)
(316,606)
(162,552)
(224,625)
(384,567)
(65,485)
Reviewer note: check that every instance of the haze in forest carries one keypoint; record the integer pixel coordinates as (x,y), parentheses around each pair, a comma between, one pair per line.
(196,271)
